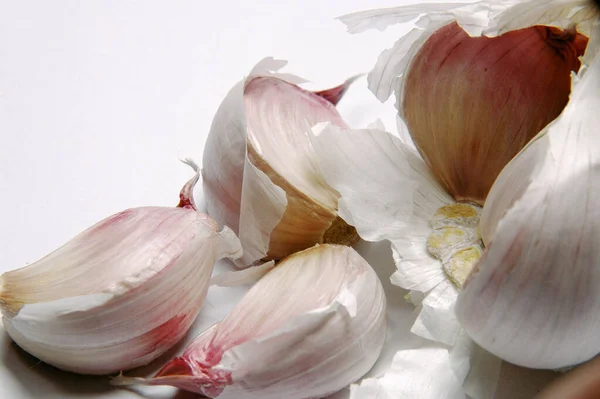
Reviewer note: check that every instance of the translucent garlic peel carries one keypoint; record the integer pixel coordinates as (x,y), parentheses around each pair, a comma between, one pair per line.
(372,170)
(324,308)
(119,294)
(533,300)
(258,152)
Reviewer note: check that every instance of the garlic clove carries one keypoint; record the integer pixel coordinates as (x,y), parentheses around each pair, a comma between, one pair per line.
(119,294)
(260,173)
(322,308)
(533,300)
(490,95)
(510,185)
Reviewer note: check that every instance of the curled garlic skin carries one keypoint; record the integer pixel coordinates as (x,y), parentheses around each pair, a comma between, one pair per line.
(260,174)
(119,294)
(310,327)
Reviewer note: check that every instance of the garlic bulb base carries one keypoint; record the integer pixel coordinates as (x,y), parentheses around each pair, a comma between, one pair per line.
(341,233)
(455,240)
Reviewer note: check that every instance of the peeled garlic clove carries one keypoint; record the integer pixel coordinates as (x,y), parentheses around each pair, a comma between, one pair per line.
(311,326)
(260,173)
(488,95)
(119,294)
(534,299)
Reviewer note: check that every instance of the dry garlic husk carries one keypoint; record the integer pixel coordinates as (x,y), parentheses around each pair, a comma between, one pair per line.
(480,99)
(119,294)
(310,327)
(260,173)
(534,298)
(388,192)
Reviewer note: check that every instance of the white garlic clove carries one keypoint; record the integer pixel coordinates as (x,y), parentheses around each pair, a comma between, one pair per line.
(534,299)
(119,294)
(311,326)
(260,173)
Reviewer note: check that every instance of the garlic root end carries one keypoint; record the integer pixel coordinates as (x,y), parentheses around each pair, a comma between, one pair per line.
(340,233)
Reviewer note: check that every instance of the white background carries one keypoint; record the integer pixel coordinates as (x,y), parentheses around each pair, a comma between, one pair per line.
(99,99)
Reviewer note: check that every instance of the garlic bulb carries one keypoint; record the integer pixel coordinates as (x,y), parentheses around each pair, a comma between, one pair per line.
(534,298)
(480,98)
(260,174)
(311,326)
(119,294)
(531,297)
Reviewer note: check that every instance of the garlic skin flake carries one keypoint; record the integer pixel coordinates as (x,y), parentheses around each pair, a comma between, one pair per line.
(260,173)
(534,300)
(310,327)
(119,294)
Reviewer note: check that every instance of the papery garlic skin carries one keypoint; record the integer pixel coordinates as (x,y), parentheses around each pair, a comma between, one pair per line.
(119,294)
(260,174)
(534,300)
(388,193)
(311,326)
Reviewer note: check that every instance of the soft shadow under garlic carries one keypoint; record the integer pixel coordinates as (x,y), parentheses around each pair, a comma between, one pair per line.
(38,378)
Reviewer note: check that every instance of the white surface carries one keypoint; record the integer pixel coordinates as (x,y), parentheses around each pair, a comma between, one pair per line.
(98,99)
